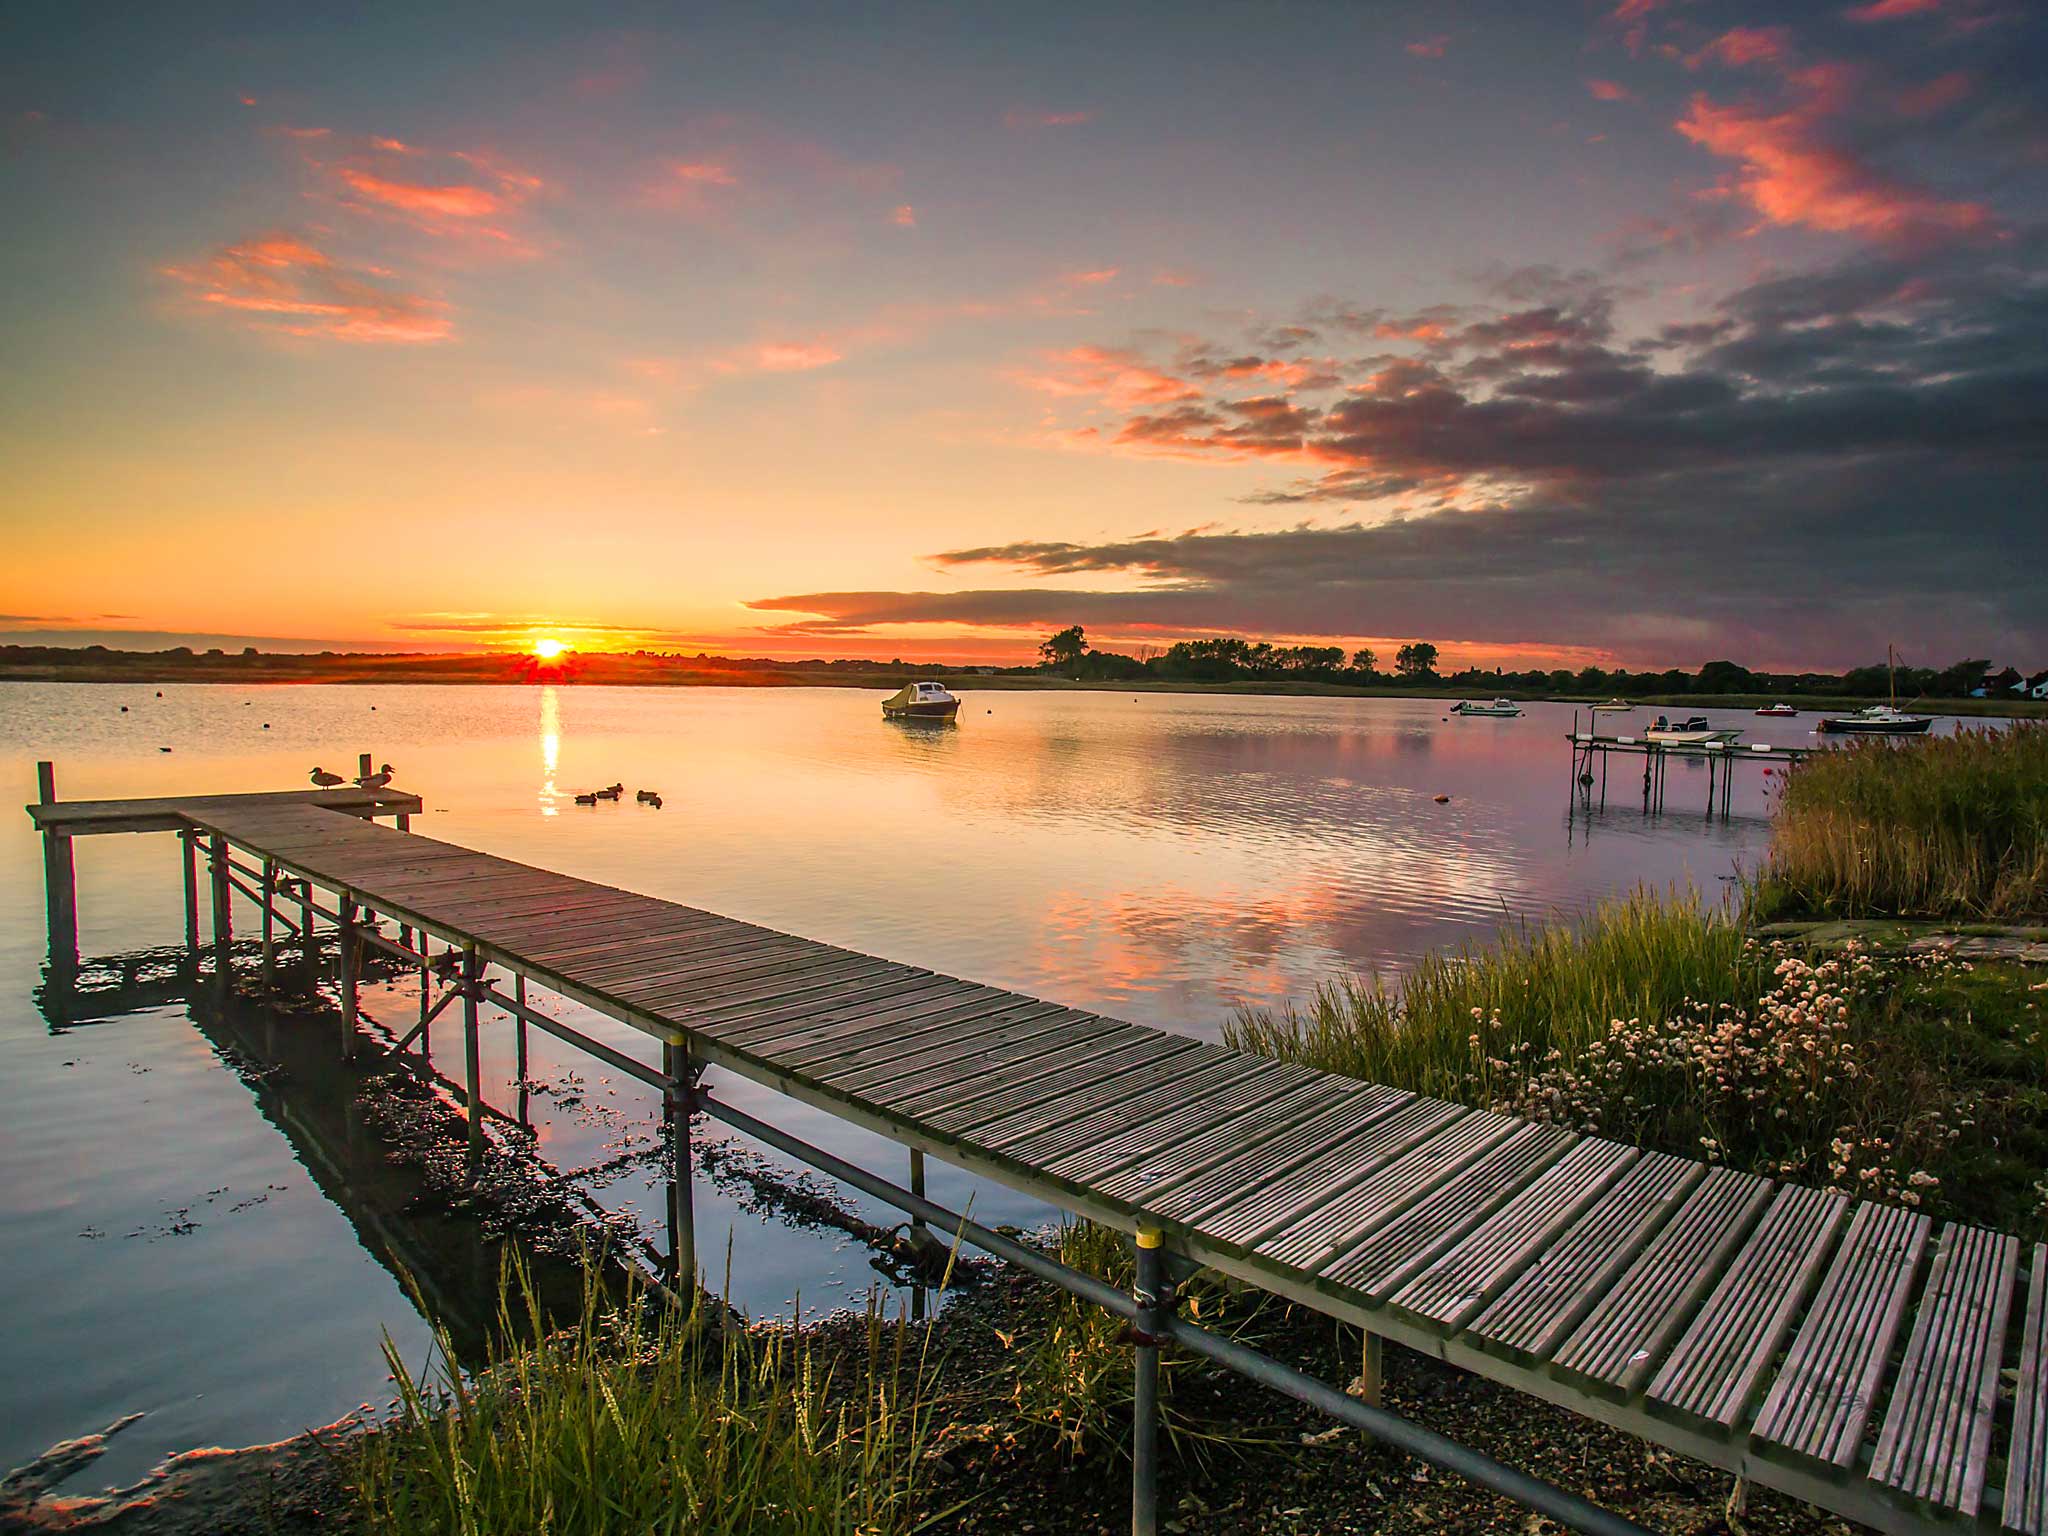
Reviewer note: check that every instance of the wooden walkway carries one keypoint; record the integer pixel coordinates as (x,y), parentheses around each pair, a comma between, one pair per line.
(1852,1354)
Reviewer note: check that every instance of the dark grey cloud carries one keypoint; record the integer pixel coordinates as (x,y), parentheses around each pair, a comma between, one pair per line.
(1829,462)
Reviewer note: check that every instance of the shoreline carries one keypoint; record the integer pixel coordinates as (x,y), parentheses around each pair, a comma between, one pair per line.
(273,671)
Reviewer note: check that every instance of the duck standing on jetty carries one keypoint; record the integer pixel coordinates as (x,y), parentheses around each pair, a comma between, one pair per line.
(322,779)
(377,780)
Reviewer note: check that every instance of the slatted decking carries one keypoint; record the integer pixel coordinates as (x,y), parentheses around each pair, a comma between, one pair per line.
(1759,1326)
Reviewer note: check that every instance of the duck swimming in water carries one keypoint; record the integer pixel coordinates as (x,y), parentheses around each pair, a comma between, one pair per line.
(322,779)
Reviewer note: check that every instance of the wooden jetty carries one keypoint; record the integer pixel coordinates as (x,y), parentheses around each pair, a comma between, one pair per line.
(1849,1353)
(1591,751)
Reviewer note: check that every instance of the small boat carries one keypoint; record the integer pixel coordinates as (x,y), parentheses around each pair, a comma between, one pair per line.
(1691,732)
(1878,720)
(1613,707)
(1777,711)
(1500,708)
(922,701)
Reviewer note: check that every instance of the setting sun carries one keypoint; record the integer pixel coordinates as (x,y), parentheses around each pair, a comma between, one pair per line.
(548,649)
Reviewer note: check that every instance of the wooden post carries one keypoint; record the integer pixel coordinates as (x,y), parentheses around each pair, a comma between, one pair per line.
(347,909)
(269,917)
(363,769)
(682,1212)
(190,842)
(309,949)
(223,911)
(519,1039)
(472,970)
(1370,1378)
(920,1235)
(60,881)
(426,999)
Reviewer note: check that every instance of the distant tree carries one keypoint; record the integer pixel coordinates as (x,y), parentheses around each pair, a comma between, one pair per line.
(1727,677)
(1064,649)
(1416,661)
(1957,681)
(1363,660)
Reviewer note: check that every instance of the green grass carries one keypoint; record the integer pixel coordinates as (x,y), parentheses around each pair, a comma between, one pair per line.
(1532,992)
(639,1417)
(1951,827)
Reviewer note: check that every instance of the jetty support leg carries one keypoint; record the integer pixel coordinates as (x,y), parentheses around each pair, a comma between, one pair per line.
(223,908)
(1371,1373)
(347,911)
(472,1071)
(920,1235)
(269,917)
(519,1038)
(60,880)
(189,841)
(676,1104)
(1154,1296)
(426,999)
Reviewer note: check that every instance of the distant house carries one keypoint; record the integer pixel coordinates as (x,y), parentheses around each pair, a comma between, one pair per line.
(2005,680)
(2037,686)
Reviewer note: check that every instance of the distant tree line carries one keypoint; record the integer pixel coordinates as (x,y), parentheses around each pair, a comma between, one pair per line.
(1228,659)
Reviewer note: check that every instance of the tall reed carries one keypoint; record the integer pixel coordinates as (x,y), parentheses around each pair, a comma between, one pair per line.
(1643,956)
(1952,827)
(639,1417)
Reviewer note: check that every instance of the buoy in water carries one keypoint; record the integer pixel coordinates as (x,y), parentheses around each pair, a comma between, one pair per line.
(1443,799)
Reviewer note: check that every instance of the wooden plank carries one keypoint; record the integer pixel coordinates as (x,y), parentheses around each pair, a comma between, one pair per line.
(946,1035)
(1070,1151)
(166,813)
(1194,1136)
(680,1003)
(1937,1432)
(1458,1282)
(1311,1233)
(1207,1188)
(1383,1256)
(1026,1034)
(1075,1096)
(888,1001)
(1253,1208)
(1113,1047)
(2026,1465)
(1566,1279)
(1627,1333)
(1713,1371)
(1145,1061)
(1094,1111)
(1825,1391)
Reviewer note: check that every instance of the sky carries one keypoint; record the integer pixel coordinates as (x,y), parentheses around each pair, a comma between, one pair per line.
(1641,332)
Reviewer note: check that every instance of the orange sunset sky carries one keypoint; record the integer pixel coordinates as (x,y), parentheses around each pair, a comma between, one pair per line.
(1641,332)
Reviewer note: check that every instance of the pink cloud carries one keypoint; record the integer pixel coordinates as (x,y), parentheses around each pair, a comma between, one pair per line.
(1792,175)
(1891,10)
(1018,117)
(905,216)
(1174,277)
(281,283)
(463,199)
(449,201)
(1118,378)
(1097,276)
(1740,46)
(1609,90)
(779,357)
(1429,47)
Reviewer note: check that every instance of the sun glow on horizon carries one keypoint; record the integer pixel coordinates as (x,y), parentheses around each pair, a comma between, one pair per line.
(548,648)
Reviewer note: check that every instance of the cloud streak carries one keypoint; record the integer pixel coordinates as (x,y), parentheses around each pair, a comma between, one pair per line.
(282,283)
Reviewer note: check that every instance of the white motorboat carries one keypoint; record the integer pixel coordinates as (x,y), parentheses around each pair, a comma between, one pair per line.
(1502,709)
(1878,720)
(1614,707)
(1692,732)
(922,701)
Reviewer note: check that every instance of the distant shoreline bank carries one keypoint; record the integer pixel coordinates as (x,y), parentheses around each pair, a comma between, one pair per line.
(493,671)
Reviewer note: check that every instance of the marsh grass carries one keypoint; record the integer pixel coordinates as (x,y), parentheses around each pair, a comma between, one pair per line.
(1642,956)
(1950,827)
(1922,1080)
(640,1417)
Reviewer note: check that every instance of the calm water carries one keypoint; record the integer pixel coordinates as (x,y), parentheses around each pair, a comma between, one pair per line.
(193,1219)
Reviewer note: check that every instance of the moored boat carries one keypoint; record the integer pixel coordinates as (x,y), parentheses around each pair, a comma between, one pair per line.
(922,701)
(1614,707)
(1694,731)
(1500,708)
(1877,720)
(1777,711)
